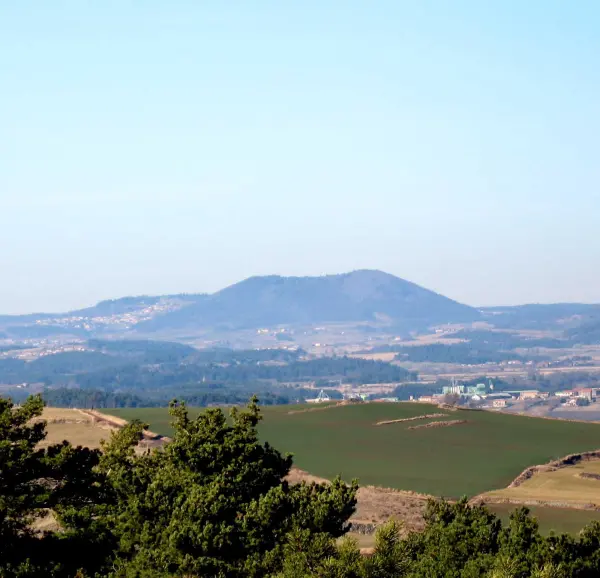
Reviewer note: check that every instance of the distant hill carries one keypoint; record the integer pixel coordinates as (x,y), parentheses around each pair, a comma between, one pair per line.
(359,296)
(542,316)
(126,305)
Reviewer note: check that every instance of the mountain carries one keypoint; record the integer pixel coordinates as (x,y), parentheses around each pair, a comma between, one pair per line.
(364,296)
(358,296)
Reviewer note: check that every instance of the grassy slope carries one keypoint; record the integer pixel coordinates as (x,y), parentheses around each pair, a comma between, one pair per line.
(72,425)
(563,485)
(559,520)
(482,455)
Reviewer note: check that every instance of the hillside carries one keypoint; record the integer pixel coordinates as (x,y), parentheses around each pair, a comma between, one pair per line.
(351,297)
(478,451)
(553,316)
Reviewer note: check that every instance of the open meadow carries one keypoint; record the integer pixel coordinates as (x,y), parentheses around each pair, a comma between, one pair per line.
(76,426)
(470,453)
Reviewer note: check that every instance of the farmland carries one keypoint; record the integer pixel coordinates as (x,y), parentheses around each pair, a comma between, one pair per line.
(75,426)
(575,485)
(558,520)
(485,453)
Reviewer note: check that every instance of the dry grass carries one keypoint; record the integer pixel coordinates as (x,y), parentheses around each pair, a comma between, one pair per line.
(564,485)
(79,434)
(47,523)
(74,426)
(378,505)
(87,428)
(375,356)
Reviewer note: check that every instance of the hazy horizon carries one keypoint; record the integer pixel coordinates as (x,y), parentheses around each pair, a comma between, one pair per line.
(109,298)
(182,147)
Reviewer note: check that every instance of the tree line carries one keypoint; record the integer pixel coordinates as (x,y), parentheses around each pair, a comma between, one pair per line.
(197,397)
(162,369)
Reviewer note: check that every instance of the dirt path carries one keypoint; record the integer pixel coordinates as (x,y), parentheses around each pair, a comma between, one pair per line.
(319,408)
(118,423)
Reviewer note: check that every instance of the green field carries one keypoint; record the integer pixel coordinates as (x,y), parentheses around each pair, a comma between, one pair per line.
(484,454)
(557,520)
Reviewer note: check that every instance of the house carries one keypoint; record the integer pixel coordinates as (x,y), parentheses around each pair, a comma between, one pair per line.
(500,395)
(584,392)
(529,394)
(499,403)
(427,399)
(453,389)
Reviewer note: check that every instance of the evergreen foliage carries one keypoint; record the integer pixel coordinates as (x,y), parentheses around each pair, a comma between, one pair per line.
(214,502)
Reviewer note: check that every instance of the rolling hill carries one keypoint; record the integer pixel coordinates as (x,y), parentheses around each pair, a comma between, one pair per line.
(475,451)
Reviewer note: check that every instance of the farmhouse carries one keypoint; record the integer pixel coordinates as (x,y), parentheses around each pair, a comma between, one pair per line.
(529,394)
(584,392)
(500,395)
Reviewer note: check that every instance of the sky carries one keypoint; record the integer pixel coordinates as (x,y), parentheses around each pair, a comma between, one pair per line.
(151,147)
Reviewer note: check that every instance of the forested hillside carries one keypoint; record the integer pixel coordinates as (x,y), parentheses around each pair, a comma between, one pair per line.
(132,373)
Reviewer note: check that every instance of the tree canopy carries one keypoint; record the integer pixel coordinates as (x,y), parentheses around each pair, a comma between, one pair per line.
(215,502)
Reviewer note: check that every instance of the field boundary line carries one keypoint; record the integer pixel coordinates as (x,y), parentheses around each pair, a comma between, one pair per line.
(484,499)
(564,462)
(303,475)
(119,423)
(528,473)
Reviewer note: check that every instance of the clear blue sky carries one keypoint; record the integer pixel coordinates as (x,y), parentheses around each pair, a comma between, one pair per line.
(155,147)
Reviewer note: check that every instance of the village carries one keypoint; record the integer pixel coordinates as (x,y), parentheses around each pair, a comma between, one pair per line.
(484,396)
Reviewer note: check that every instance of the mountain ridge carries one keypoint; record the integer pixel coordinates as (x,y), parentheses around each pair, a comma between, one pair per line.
(356,296)
(363,295)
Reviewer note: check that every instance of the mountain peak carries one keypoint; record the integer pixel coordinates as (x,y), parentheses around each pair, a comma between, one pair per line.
(357,296)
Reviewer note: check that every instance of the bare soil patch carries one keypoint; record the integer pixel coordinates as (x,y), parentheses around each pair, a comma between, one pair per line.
(432,424)
(376,506)
(589,476)
(426,416)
